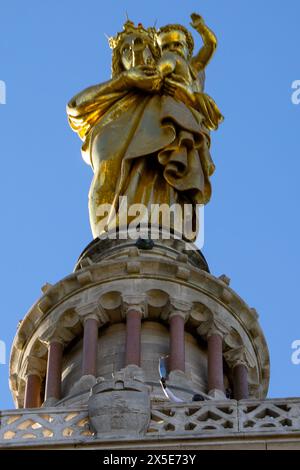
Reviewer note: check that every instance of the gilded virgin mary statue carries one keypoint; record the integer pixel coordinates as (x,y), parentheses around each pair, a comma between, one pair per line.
(146,131)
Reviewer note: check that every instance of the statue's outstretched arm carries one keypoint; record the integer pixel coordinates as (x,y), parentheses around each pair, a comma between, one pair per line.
(145,78)
(90,94)
(200,60)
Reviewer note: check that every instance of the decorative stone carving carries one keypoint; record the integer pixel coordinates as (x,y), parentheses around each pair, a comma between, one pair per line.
(92,310)
(135,302)
(213,326)
(34,366)
(121,406)
(180,307)
(170,424)
(239,355)
(177,307)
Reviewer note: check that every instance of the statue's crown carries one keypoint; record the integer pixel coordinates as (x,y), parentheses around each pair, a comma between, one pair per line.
(130,28)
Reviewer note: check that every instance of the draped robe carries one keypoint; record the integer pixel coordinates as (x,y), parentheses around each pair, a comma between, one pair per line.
(151,148)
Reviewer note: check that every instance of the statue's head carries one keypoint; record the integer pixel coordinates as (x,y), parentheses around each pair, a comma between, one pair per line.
(135,45)
(176,38)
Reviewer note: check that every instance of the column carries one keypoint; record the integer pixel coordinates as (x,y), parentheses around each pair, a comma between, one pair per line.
(240,381)
(177,343)
(179,313)
(32,391)
(215,362)
(240,360)
(54,368)
(34,371)
(133,337)
(134,309)
(90,345)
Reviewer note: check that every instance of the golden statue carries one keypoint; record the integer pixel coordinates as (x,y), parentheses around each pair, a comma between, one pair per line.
(146,132)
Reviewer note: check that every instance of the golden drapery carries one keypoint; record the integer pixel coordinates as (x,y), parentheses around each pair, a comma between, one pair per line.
(152,148)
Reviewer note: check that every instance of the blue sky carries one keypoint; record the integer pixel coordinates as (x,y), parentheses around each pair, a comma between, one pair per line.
(51,50)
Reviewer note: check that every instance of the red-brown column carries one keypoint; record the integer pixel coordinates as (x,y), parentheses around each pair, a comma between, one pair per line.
(240,382)
(54,367)
(90,346)
(32,391)
(177,346)
(133,337)
(215,363)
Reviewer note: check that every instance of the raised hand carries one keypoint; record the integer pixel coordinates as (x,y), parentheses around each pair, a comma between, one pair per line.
(197,20)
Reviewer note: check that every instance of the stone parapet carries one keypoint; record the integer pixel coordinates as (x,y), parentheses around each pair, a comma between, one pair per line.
(254,424)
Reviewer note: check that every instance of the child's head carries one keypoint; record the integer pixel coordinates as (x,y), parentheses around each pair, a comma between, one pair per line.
(176,38)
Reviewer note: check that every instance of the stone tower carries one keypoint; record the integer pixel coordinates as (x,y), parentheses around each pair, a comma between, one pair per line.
(85,359)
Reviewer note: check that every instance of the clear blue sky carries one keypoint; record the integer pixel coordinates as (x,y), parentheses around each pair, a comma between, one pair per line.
(51,50)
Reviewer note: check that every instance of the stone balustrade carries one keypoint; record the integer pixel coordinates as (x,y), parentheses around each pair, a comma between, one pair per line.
(222,422)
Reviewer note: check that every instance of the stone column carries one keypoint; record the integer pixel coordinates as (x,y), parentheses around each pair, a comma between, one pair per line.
(213,330)
(177,346)
(90,345)
(54,368)
(240,360)
(32,391)
(177,318)
(240,381)
(133,337)
(34,371)
(134,310)
(215,376)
